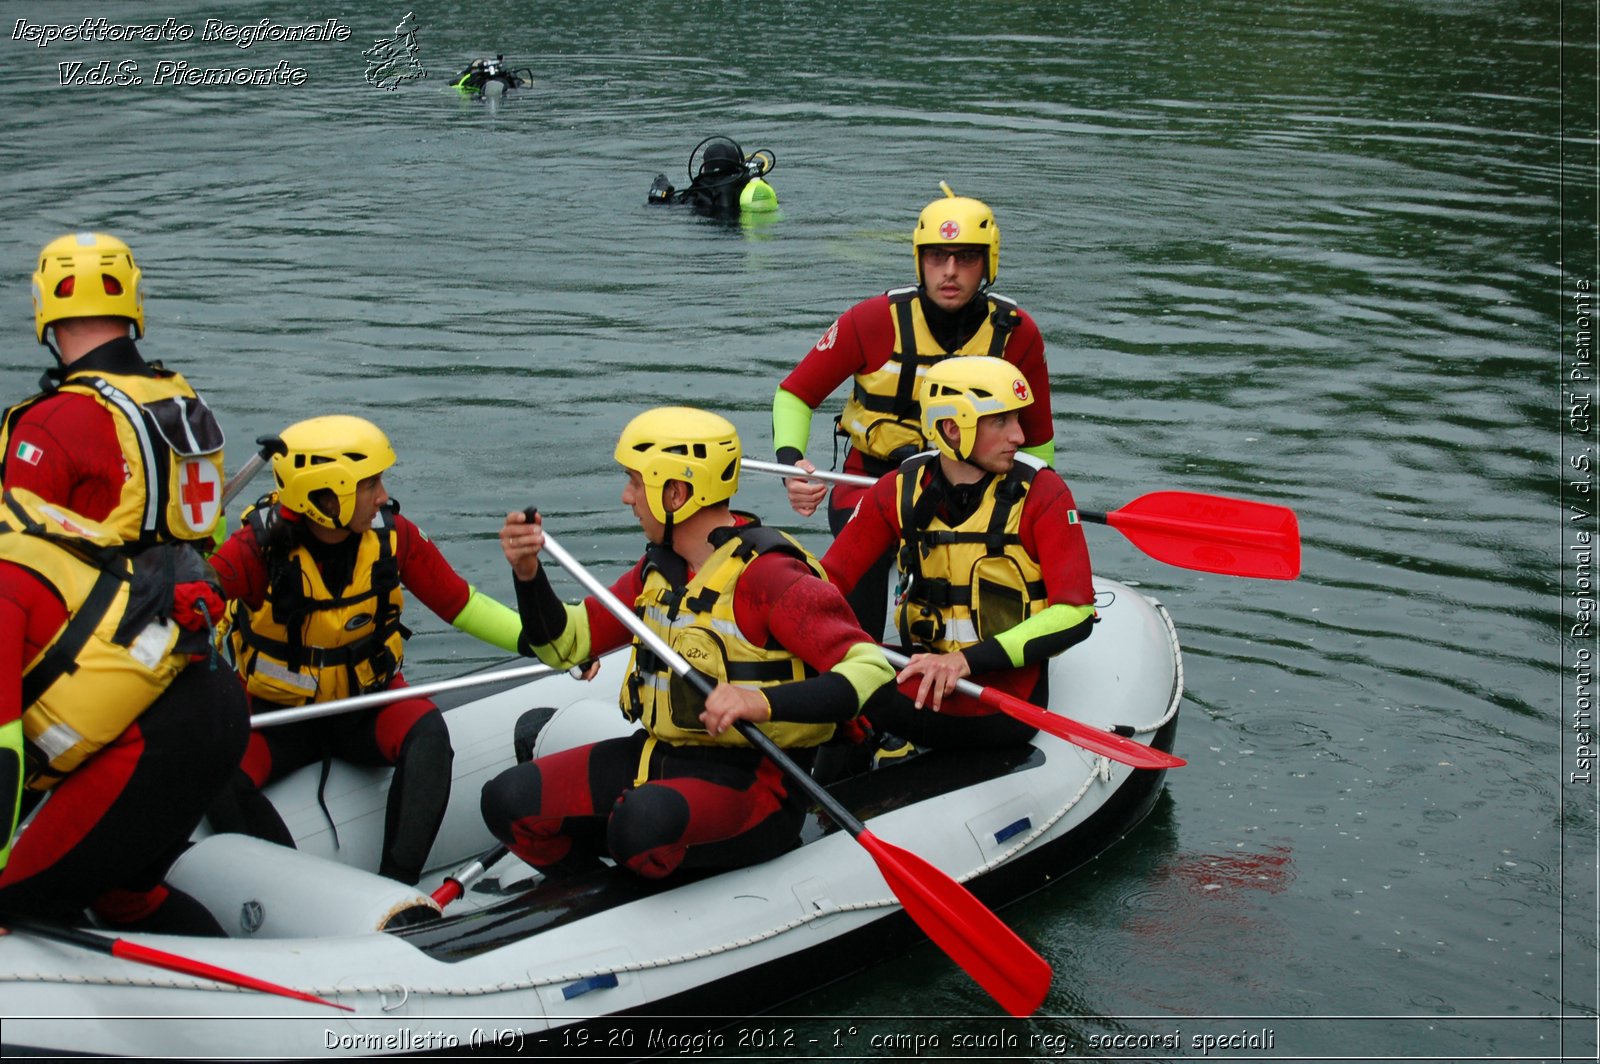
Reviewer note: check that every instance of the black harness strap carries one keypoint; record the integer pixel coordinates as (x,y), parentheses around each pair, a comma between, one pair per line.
(291,606)
(918,541)
(62,657)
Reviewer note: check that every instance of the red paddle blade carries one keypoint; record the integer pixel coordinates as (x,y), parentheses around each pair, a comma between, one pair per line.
(1213,534)
(1098,740)
(159,958)
(961,925)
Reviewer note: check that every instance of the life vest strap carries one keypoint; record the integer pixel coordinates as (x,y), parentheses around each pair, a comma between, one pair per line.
(61,657)
(319,657)
(939,594)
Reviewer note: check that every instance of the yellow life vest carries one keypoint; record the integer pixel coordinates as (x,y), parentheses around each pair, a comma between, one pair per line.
(882,415)
(697,620)
(306,644)
(172,448)
(965,583)
(117,652)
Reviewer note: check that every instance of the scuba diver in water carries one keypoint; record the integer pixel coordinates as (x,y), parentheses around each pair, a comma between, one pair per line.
(490,75)
(723,181)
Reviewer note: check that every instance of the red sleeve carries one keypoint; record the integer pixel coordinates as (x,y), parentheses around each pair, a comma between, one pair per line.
(605,631)
(425,573)
(12,620)
(64,449)
(1051,533)
(861,340)
(871,530)
(778,599)
(240,568)
(1025,350)
(30,616)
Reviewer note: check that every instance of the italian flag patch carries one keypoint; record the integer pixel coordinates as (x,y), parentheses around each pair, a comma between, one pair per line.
(1072,517)
(27,452)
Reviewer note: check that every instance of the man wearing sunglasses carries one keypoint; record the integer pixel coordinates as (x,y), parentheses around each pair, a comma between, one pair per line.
(886,344)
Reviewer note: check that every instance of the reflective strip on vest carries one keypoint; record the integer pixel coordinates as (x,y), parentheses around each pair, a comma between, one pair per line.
(267,667)
(56,740)
(960,630)
(147,453)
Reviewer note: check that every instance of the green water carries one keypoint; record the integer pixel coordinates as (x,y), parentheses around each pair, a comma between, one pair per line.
(1329,255)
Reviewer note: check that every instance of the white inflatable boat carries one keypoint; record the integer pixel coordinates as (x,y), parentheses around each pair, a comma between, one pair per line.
(517,961)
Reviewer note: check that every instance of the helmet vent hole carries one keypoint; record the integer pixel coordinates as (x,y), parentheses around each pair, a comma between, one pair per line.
(113,286)
(699,450)
(65,286)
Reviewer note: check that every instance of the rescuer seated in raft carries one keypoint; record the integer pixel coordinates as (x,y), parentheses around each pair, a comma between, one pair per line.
(314,575)
(751,608)
(723,181)
(995,571)
(106,718)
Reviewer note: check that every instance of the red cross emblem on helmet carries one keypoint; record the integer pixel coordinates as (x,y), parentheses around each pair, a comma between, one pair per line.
(950,229)
(1019,388)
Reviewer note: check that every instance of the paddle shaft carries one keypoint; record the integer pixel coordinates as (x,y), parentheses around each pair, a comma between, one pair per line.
(1191,530)
(456,884)
(778,470)
(1098,740)
(156,958)
(244,476)
(396,694)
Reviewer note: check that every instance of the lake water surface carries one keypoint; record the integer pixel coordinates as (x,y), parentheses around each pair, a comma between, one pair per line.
(1334,255)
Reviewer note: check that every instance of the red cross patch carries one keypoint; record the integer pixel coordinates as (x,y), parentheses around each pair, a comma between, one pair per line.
(950,229)
(199,494)
(1019,388)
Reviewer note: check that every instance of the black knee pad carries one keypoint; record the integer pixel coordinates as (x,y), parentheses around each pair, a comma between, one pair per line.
(526,732)
(513,794)
(644,819)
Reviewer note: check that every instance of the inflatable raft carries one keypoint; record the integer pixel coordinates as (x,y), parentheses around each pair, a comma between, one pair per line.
(517,964)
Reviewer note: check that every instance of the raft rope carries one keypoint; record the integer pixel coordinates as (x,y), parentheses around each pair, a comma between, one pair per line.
(1100,769)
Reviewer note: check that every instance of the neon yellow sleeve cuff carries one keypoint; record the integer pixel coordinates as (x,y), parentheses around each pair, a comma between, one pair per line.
(1048,621)
(791,422)
(865,667)
(10,785)
(493,622)
(572,646)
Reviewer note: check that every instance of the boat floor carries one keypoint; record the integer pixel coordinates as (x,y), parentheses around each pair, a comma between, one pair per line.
(532,907)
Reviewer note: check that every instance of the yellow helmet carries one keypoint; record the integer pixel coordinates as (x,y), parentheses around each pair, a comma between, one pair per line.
(333,453)
(958,220)
(965,388)
(86,275)
(682,443)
